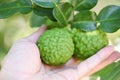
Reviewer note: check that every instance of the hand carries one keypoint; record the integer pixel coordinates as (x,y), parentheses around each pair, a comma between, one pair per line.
(23,63)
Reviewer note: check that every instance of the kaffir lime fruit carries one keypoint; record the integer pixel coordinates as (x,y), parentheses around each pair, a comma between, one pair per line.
(88,43)
(56,46)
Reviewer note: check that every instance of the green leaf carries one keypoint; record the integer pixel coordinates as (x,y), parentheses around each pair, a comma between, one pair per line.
(25,6)
(112,76)
(8,9)
(111,72)
(85,4)
(40,11)
(73,2)
(37,21)
(46,3)
(85,21)
(109,18)
(85,25)
(63,13)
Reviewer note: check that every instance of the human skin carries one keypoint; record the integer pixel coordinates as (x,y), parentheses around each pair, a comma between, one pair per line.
(23,62)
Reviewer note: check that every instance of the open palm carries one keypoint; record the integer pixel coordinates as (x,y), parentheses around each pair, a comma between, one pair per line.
(23,63)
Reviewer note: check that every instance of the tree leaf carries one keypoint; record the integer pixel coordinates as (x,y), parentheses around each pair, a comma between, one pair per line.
(109,18)
(85,4)
(37,21)
(63,13)
(46,3)
(8,9)
(112,76)
(25,6)
(72,2)
(111,72)
(85,21)
(85,25)
(40,11)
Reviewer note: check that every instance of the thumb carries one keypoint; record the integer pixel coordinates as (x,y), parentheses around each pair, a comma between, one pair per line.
(24,55)
(34,37)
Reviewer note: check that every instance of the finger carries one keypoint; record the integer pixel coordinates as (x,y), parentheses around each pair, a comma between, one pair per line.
(73,62)
(87,65)
(34,37)
(113,57)
(93,61)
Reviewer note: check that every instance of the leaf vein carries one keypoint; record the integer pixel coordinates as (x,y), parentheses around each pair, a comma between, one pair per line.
(109,19)
(16,8)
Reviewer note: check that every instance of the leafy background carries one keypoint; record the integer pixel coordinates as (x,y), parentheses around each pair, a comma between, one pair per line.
(18,26)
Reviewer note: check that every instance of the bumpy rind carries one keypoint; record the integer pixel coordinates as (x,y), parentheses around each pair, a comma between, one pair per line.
(56,46)
(88,43)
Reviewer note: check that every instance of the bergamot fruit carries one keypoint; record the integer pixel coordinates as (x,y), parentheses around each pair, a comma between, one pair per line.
(88,43)
(56,46)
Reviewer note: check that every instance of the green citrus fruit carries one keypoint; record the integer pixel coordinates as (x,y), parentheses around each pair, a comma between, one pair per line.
(56,46)
(88,43)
